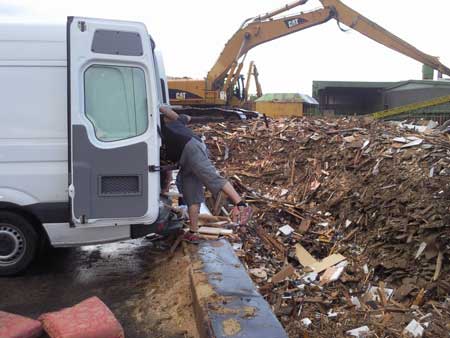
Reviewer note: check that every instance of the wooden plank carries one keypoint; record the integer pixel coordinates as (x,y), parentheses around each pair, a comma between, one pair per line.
(175,245)
(215,231)
(304,226)
(285,272)
(218,203)
(271,242)
(303,256)
(437,271)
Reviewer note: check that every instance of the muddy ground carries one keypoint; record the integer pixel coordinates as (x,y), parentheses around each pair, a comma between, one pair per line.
(148,293)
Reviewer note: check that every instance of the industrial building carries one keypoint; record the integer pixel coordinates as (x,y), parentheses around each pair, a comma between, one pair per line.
(359,98)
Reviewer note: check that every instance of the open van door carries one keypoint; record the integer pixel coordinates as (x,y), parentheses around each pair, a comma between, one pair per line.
(112,121)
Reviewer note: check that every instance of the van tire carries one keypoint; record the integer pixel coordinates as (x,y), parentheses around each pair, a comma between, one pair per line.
(18,243)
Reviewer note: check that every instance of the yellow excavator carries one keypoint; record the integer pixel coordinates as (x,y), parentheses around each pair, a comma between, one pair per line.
(223,87)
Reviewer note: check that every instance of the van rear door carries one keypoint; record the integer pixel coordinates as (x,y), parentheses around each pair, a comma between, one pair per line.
(112,123)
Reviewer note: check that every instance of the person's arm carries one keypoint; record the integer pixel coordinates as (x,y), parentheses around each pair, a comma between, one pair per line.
(168,113)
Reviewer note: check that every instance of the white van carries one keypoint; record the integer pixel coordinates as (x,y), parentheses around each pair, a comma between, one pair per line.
(79,140)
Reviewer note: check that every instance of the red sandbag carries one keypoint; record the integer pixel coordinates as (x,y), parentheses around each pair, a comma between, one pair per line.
(15,326)
(89,319)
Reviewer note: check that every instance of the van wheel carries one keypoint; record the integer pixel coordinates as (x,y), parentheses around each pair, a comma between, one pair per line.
(18,243)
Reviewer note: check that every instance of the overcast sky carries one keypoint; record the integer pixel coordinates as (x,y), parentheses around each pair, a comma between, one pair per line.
(191,35)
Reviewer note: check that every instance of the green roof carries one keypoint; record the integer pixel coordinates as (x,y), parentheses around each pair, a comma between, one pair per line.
(287,97)
(317,85)
(434,83)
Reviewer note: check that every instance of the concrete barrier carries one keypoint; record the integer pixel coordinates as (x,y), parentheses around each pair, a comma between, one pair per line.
(226,301)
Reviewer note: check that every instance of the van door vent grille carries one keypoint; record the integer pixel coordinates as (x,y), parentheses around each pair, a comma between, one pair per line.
(120,185)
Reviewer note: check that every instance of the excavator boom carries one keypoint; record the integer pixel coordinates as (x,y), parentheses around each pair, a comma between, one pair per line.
(256,33)
(266,28)
(351,18)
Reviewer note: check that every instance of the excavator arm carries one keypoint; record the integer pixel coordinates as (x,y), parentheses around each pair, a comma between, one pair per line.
(257,32)
(261,29)
(351,18)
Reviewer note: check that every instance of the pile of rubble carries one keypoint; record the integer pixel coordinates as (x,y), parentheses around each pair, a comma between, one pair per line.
(351,230)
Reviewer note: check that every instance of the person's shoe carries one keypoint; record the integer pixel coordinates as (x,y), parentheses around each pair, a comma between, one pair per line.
(241,215)
(192,237)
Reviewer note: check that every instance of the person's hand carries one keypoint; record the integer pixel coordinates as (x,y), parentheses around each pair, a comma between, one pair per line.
(164,108)
(168,112)
(241,214)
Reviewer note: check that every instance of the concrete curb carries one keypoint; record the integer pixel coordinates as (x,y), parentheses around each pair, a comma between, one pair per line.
(226,302)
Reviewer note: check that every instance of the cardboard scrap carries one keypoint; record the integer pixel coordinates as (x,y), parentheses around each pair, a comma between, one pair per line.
(307,260)
(327,262)
(303,256)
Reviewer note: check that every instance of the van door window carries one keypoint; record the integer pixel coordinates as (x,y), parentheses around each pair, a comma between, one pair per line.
(116,101)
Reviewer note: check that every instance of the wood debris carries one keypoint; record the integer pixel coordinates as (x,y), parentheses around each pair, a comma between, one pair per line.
(356,192)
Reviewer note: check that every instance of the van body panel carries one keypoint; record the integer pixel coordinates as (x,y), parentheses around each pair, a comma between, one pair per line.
(112,58)
(35,145)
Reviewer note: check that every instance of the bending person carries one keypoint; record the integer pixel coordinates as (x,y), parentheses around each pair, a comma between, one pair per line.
(184,147)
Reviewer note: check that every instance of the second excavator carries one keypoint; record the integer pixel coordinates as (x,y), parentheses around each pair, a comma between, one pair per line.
(224,88)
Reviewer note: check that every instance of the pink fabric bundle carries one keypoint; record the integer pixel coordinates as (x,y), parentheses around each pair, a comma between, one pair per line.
(15,326)
(89,319)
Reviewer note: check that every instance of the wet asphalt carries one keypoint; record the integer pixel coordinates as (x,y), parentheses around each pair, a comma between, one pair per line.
(116,273)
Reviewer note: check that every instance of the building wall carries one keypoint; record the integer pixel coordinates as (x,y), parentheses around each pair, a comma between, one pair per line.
(399,97)
(349,101)
(280,109)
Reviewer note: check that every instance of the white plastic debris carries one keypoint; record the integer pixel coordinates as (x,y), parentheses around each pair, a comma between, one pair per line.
(348,223)
(332,314)
(421,249)
(284,192)
(323,224)
(373,293)
(431,172)
(355,301)
(400,140)
(376,168)
(366,143)
(366,269)
(413,143)
(237,246)
(333,273)
(315,137)
(432,124)
(414,329)
(428,315)
(360,332)
(310,277)
(286,230)
(306,322)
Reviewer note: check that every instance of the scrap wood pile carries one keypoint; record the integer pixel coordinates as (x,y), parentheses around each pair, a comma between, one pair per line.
(351,231)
